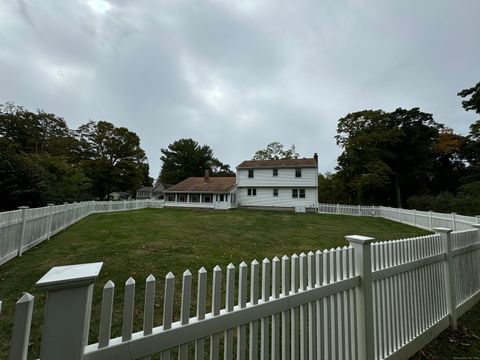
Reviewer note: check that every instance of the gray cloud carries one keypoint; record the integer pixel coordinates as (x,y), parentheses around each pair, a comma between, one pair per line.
(238,75)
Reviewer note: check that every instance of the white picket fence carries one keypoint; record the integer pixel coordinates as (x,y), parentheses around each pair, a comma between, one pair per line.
(427,220)
(370,300)
(22,229)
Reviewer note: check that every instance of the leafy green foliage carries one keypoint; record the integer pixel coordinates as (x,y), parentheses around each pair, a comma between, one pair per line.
(386,156)
(111,157)
(185,158)
(275,151)
(42,160)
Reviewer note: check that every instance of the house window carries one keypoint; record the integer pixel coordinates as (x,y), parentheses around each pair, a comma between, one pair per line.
(170,197)
(250,173)
(252,192)
(298,172)
(182,198)
(208,198)
(221,197)
(275,192)
(298,193)
(194,198)
(275,172)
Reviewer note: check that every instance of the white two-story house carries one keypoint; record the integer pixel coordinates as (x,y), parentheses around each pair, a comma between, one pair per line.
(288,183)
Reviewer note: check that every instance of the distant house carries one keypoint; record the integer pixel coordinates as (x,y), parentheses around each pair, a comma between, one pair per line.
(202,192)
(288,183)
(149,192)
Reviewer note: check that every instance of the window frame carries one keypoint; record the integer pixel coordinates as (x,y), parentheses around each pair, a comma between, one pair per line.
(275,192)
(250,173)
(298,172)
(295,193)
(274,172)
(301,193)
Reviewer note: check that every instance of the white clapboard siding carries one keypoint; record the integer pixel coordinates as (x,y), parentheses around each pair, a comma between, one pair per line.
(285,178)
(265,197)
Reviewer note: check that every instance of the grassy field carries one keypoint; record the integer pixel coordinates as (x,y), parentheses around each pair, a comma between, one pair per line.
(139,243)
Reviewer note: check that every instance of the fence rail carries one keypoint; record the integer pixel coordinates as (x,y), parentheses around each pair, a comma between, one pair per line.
(22,229)
(427,220)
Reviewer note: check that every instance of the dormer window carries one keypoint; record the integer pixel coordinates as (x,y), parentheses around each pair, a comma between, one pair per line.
(275,172)
(250,173)
(298,173)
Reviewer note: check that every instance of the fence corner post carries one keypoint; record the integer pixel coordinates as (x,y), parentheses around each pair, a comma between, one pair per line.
(454,221)
(363,267)
(68,308)
(50,218)
(430,219)
(449,275)
(23,228)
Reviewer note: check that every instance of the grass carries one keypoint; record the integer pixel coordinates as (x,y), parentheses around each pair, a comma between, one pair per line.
(138,243)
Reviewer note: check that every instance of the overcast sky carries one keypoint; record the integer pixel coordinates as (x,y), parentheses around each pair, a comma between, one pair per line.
(237,75)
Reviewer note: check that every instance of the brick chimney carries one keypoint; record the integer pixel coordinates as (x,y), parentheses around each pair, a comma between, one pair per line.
(315,156)
(207,176)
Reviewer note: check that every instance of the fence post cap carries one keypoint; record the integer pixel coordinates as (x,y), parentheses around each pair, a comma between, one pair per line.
(70,276)
(23,207)
(441,230)
(359,239)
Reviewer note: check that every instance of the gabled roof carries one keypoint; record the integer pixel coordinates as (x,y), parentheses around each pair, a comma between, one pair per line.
(145,188)
(198,184)
(285,163)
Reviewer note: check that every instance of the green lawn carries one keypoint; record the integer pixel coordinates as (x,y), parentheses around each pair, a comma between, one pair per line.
(142,242)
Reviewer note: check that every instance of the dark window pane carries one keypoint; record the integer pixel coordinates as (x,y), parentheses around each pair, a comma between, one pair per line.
(298,172)
(302,193)
(250,173)
(295,193)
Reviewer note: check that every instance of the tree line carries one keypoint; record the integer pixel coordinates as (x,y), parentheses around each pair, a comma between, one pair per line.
(405,158)
(42,160)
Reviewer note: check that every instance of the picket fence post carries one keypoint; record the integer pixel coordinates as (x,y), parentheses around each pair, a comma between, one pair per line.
(430,219)
(454,221)
(449,275)
(68,308)
(21,327)
(50,218)
(363,268)
(65,210)
(22,230)
(414,217)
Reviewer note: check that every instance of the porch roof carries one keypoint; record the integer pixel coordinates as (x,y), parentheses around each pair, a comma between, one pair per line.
(198,185)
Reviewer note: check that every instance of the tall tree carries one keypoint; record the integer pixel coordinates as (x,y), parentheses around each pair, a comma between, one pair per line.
(185,158)
(471,148)
(386,156)
(111,157)
(275,151)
